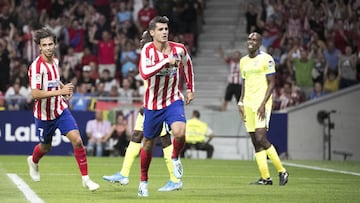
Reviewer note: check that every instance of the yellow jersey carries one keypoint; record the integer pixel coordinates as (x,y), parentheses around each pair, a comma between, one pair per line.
(196,131)
(254,72)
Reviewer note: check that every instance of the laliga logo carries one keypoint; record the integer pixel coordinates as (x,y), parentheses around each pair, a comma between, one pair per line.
(28,134)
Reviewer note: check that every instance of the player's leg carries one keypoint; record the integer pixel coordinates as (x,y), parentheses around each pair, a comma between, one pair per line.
(173,183)
(272,153)
(67,126)
(227,97)
(175,117)
(131,153)
(45,131)
(206,147)
(257,136)
(153,122)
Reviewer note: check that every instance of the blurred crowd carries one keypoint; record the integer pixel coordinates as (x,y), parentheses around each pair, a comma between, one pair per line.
(315,44)
(98,45)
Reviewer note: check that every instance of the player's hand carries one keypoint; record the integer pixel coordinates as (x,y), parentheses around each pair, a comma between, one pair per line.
(174,61)
(261,112)
(189,97)
(67,89)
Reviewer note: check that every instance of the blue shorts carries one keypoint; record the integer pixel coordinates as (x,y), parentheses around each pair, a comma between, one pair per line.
(45,130)
(154,119)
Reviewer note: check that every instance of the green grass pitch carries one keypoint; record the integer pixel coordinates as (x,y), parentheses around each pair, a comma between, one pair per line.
(204,181)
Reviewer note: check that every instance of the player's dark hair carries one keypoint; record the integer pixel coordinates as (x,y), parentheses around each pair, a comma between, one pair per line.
(43,33)
(158,19)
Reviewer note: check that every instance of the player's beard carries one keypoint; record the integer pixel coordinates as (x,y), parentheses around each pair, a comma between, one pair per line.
(49,54)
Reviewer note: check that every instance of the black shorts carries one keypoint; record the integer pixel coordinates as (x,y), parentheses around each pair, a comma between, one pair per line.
(233,90)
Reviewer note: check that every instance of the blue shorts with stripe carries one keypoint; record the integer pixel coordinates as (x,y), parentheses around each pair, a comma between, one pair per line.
(154,119)
(45,130)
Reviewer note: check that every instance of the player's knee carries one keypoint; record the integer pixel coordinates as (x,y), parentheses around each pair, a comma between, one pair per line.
(77,142)
(137,136)
(165,140)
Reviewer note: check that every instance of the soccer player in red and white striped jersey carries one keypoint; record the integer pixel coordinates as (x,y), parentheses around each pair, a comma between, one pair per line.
(160,61)
(51,109)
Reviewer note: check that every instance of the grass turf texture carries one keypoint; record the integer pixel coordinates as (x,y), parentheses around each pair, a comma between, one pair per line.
(204,181)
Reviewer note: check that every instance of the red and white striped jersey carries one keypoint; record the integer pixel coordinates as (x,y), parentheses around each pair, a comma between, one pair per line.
(234,76)
(161,79)
(45,76)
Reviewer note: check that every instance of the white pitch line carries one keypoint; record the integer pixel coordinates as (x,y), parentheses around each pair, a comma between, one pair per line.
(322,169)
(24,188)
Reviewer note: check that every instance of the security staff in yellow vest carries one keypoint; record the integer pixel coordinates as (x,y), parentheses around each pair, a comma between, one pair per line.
(197,132)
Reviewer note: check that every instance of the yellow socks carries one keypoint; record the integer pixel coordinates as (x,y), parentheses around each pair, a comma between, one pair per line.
(274,157)
(261,160)
(131,153)
(167,156)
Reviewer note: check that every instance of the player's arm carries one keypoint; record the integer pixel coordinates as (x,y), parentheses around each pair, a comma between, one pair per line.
(146,68)
(240,103)
(42,94)
(189,76)
(270,78)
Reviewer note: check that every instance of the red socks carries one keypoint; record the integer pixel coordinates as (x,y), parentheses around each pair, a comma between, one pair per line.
(80,156)
(37,154)
(145,159)
(178,147)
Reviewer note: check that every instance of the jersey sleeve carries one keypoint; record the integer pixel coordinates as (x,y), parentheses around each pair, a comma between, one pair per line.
(269,65)
(241,64)
(35,76)
(147,67)
(188,71)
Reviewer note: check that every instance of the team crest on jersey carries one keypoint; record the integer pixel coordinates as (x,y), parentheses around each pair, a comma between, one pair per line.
(38,78)
(270,64)
(148,62)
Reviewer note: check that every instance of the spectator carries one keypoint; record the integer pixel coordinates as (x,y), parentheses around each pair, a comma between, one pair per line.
(118,137)
(332,55)
(105,50)
(88,57)
(5,56)
(198,135)
(303,72)
(15,100)
(108,81)
(123,13)
(81,99)
(318,90)
(289,97)
(100,91)
(145,14)
(87,80)
(96,130)
(23,91)
(317,55)
(128,58)
(72,60)
(347,65)
(126,93)
(331,80)
(76,37)
(252,14)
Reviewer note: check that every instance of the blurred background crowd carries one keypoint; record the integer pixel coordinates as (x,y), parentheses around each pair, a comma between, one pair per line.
(315,44)
(98,44)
